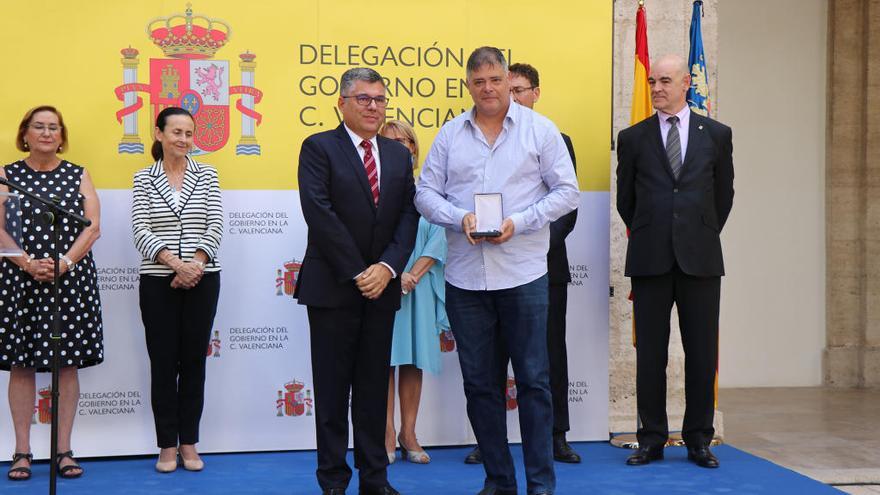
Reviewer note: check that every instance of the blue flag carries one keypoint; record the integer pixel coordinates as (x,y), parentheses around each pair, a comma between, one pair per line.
(698,94)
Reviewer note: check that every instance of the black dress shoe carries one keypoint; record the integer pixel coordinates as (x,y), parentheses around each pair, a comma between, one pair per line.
(475,457)
(645,455)
(334,491)
(703,457)
(563,452)
(385,490)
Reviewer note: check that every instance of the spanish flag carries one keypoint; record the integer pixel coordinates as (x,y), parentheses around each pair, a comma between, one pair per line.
(641,99)
(641,102)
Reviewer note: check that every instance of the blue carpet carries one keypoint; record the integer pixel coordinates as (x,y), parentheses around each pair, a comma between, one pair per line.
(603,472)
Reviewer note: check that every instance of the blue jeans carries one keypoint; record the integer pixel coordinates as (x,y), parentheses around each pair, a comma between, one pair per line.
(487,325)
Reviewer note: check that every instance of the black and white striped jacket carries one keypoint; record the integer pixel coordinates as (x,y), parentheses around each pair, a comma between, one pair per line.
(157,223)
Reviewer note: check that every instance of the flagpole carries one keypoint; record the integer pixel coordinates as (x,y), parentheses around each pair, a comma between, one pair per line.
(640,109)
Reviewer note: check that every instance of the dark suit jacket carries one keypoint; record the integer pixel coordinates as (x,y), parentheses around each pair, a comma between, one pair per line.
(347,232)
(675,221)
(557,255)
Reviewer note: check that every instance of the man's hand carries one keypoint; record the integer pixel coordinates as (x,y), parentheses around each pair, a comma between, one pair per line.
(507,229)
(373,281)
(468,225)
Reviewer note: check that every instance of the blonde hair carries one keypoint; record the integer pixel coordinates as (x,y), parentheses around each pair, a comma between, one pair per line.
(405,130)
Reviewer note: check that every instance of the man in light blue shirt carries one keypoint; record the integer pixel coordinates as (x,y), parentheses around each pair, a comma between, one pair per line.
(496,290)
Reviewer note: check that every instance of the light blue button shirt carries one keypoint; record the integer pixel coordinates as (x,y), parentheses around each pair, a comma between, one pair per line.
(528,164)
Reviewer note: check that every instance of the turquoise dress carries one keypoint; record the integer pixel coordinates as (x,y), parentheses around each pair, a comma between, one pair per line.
(422,315)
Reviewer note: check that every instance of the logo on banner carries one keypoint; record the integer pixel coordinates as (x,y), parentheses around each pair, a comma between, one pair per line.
(285,280)
(43,408)
(447,341)
(214,345)
(189,77)
(295,400)
(510,393)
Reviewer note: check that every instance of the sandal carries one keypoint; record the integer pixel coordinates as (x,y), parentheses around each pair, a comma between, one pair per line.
(413,456)
(26,470)
(65,472)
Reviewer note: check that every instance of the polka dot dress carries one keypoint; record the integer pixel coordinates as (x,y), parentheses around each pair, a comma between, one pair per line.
(26,305)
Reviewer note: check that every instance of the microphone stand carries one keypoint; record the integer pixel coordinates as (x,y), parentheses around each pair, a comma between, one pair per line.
(53,216)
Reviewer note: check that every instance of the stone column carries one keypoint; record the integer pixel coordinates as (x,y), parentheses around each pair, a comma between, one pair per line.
(852,188)
(131,141)
(668,24)
(247,145)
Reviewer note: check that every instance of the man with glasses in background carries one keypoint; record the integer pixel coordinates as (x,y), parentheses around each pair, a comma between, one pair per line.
(496,287)
(525,88)
(356,189)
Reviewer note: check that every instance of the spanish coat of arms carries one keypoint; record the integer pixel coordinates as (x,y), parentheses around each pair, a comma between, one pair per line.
(189,77)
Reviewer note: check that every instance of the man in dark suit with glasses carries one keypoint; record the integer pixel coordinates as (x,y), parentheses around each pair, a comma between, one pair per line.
(356,191)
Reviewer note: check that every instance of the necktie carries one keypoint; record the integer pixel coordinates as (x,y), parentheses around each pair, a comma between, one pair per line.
(673,146)
(372,173)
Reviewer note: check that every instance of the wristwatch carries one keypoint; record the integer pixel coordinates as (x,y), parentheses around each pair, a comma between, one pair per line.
(67,261)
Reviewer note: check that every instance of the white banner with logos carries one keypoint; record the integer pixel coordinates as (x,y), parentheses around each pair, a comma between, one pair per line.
(259,393)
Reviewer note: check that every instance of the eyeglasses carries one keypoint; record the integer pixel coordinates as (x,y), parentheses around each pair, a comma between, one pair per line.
(364,100)
(519,90)
(402,140)
(40,128)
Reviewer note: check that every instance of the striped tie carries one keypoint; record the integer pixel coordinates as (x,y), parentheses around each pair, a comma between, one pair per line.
(673,146)
(372,173)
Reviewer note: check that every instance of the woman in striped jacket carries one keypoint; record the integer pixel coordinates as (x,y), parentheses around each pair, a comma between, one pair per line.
(177,220)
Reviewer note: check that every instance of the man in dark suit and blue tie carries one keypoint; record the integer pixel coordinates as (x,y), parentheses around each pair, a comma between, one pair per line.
(674,193)
(356,189)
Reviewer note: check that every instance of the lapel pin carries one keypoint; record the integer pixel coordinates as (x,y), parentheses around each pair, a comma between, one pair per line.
(700,127)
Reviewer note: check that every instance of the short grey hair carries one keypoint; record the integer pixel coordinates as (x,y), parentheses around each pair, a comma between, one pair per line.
(358,74)
(485,55)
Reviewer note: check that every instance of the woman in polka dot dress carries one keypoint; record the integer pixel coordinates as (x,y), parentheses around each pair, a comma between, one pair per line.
(26,290)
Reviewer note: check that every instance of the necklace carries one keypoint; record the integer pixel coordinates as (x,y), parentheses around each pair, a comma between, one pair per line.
(55,162)
(175,179)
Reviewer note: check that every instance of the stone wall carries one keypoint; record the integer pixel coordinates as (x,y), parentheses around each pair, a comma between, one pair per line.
(852,353)
(668,32)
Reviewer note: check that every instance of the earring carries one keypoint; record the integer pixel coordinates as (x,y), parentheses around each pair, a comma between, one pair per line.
(59,149)
(26,145)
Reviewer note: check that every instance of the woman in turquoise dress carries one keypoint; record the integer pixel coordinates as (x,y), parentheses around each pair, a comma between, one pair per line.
(417,326)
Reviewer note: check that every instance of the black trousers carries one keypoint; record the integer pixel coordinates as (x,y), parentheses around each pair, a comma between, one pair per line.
(697,301)
(558,356)
(351,352)
(177,324)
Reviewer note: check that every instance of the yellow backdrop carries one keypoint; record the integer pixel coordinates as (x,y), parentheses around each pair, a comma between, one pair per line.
(68,54)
